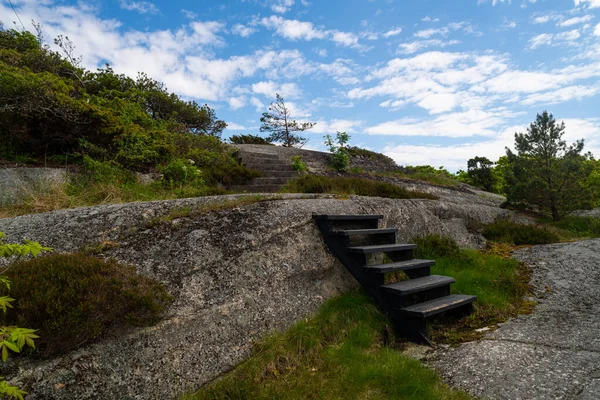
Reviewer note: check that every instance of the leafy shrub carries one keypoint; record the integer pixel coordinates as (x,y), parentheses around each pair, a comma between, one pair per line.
(434,246)
(510,232)
(350,185)
(250,139)
(340,159)
(181,171)
(74,299)
(298,164)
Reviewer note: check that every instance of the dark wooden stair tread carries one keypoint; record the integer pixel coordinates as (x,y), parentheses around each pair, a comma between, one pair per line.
(399,266)
(358,232)
(346,217)
(437,306)
(411,286)
(381,248)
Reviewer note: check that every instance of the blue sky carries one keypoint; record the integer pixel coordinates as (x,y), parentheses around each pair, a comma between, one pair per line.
(425,82)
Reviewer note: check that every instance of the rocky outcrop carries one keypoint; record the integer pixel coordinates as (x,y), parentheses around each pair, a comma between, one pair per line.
(237,273)
(316,160)
(15,183)
(595,213)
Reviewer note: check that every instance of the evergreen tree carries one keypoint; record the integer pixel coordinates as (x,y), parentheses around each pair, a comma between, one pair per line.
(546,172)
(282,128)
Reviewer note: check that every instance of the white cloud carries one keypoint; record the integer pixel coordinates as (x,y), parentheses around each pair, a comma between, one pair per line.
(588,3)
(597,30)
(237,102)
(392,32)
(301,30)
(241,30)
(494,2)
(417,45)
(143,7)
(562,95)
(576,21)
(337,125)
(445,30)
(549,39)
(429,19)
(463,124)
(321,52)
(189,14)
(236,127)
(542,19)
(281,6)
(293,29)
(508,24)
(258,104)
(270,88)
(454,157)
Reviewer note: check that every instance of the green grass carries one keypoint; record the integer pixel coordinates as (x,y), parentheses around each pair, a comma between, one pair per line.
(576,227)
(338,354)
(500,284)
(76,194)
(350,185)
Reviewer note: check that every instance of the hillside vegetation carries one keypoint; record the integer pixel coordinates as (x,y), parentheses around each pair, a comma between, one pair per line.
(109,125)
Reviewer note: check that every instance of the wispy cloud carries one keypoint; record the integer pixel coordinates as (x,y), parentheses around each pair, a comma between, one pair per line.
(143,7)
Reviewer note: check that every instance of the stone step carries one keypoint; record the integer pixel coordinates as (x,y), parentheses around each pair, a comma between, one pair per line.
(263,161)
(269,180)
(246,154)
(255,188)
(417,285)
(399,266)
(437,306)
(268,167)
(279,174)
(382,248)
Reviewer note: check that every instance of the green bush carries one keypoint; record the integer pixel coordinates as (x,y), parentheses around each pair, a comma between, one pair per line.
(350,185)
(298,164)
(73,299)
(340,158)
(181,171)
(510,232)
(250,139)
(434,246)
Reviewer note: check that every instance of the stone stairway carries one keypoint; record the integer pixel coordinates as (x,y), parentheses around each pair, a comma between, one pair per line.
(359,243)
(275,172)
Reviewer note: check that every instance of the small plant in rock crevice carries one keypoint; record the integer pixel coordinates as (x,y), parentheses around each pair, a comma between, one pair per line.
(340,158)
(298,164)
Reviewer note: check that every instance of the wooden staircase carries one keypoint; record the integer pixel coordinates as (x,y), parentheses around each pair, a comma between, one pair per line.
(358,242)
(275,172)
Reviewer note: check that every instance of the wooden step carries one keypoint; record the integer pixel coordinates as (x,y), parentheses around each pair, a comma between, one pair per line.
(382,248)
(416,285)
(438,306)
(361,232)
(346,217)
(399,266)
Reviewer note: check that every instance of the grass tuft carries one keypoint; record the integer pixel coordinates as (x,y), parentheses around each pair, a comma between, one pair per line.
(338,354)
(499,282)
(351,185)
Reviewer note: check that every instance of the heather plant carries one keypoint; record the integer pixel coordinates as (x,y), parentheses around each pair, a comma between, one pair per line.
(14,338)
